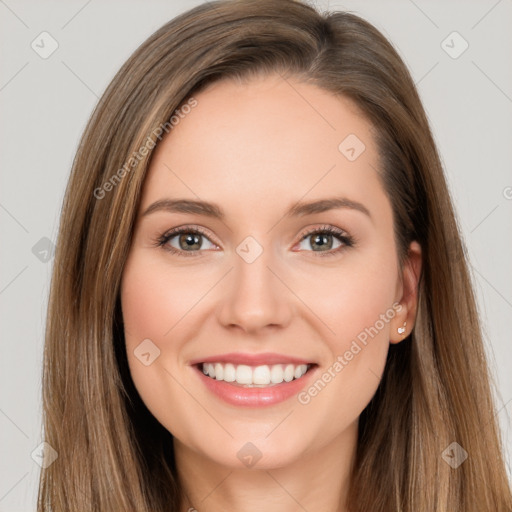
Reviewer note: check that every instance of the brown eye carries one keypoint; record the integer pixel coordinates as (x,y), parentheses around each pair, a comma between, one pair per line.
(321,240)
(189,241)
(328,240)
(185,240)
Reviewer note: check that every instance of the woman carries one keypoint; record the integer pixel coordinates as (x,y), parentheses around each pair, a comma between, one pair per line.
(199,354)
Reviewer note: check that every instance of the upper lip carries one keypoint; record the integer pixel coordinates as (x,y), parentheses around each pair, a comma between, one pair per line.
(252,359)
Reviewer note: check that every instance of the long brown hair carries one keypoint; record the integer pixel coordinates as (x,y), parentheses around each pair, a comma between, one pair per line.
(112,453)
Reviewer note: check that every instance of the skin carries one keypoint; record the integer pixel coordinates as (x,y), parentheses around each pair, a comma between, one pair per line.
(256,149)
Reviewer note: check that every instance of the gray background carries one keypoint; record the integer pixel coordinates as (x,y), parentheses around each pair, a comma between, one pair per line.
(45,104)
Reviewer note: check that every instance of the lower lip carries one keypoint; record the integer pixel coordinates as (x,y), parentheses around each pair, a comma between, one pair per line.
(255,397)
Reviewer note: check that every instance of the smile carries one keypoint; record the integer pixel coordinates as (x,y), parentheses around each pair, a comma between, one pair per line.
(254,376)
(254,380)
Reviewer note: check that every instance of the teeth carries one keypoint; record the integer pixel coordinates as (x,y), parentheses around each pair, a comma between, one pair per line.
(243,374)
(289,373)
(229,372)
(277,374)
(219,372)
(263,375)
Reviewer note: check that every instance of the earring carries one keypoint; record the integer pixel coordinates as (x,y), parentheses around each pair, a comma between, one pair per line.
(401,330)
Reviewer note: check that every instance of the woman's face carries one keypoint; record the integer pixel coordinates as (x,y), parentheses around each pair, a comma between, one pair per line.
(263,292)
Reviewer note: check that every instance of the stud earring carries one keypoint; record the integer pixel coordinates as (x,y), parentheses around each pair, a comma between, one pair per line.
(401,330)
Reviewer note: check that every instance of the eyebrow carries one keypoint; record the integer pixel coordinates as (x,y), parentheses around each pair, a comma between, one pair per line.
(212,210)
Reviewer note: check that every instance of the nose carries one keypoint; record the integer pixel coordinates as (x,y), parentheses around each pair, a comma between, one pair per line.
(255,297)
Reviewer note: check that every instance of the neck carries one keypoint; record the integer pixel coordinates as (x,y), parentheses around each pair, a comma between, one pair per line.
(314,481)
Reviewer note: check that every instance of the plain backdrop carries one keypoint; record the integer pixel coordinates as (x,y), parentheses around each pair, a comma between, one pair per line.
(464,79)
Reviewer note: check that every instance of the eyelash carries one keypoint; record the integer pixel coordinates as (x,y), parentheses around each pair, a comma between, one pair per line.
(343,237)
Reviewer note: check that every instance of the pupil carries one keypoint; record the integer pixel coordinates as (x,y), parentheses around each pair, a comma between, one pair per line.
(191,240)
(323,241)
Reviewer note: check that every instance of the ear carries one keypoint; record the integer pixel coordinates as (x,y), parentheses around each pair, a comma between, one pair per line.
(407,295)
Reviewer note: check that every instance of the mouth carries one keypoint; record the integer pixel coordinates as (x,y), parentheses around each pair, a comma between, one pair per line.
(254,380)
(247,376)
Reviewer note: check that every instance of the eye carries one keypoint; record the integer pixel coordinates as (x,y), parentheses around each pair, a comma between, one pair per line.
(322,238)
(189,240)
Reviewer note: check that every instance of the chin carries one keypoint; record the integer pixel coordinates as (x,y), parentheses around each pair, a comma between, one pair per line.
(257,452)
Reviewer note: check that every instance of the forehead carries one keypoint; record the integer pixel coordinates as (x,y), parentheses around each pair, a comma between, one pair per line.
(270,139)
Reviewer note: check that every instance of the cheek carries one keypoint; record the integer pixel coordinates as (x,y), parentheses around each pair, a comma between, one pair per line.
(354,299)
(153,305)
(155,298)
(358,306)
(363,300)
